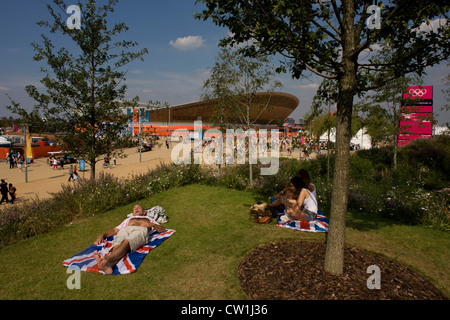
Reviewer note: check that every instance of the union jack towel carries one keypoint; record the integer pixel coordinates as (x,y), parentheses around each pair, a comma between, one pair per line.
(320,224)
(85,260)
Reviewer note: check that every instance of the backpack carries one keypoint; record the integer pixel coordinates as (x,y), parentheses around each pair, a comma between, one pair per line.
(259,213)
(158,214)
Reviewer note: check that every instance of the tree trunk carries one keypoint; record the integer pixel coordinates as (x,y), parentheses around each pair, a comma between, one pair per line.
(396,120)
(92,164)
(334,255)
(328,144)
(396,132)
(249,101)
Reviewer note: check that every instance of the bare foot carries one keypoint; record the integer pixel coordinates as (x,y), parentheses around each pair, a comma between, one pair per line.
(97,256)
(108,270)
(102,263)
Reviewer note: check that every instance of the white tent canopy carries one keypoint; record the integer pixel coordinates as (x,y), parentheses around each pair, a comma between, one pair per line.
(361,138)
(4,142)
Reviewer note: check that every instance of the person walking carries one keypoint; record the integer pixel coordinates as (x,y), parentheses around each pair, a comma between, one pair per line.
(4,191)
(12,192)
(71,173)
(75,173)
(11,160)
(20,162)
(55,164)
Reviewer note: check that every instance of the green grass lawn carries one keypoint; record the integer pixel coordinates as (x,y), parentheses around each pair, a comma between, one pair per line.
(200,260)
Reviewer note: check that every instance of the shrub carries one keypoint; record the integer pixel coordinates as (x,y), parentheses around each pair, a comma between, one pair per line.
(436,209)
(323,191)
(428,161)
(318,167)
(379,157)
(403,194)
(272,184)
(361,169)
(402,211)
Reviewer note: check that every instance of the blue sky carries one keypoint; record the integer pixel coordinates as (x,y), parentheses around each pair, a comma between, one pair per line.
(181,51)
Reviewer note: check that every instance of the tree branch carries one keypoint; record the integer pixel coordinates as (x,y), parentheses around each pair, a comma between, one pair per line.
(329,22)
(338,39)
(336,13)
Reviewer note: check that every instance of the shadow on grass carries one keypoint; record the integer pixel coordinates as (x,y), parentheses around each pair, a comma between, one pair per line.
(365,221)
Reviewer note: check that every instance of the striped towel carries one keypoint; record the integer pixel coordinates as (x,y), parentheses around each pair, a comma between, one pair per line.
(85,260)
(320,224)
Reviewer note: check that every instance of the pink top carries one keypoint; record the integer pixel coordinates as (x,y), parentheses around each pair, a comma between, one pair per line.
(127,221)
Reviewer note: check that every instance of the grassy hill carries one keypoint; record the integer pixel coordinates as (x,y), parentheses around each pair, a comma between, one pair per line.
(200,260)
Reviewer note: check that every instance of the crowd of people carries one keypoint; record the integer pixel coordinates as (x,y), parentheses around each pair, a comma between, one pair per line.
(15,160)
(107,162)
(57,164)
(8,191)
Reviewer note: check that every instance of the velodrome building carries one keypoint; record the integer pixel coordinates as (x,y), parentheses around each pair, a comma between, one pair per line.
(163,121)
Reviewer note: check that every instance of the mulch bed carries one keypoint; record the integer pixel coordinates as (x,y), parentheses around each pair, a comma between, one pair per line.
(294,271)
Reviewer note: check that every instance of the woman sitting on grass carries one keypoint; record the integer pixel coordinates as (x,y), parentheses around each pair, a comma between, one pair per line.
(288,192)
(291,191)
(303,208)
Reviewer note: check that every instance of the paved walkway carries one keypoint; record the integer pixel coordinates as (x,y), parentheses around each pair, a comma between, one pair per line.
(43,180)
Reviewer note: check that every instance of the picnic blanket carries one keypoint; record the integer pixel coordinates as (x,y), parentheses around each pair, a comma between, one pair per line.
(85,260)
(320,224)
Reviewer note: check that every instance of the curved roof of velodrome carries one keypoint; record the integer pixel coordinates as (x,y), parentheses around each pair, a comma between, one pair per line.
(280,107)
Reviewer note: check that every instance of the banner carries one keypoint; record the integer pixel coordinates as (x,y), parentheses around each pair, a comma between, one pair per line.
(419,92)
(29,150)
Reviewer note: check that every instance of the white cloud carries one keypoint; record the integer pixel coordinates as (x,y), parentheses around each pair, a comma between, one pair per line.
(432,26)
(187,43)
(310,86)
(4,89)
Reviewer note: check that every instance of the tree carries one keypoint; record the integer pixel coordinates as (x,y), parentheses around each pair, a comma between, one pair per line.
(384,107)
(83,84)
(446,93)
(326,96)
(234,83)
(327,39)
(378,124)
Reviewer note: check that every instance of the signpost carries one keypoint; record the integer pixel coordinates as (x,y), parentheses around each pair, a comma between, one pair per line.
(416,114)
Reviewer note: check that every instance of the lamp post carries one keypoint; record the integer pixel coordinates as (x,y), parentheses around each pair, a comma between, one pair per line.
(168,133)
(140,135)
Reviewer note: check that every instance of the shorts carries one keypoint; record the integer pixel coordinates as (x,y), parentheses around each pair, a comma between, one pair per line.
(311,216)
(136,236)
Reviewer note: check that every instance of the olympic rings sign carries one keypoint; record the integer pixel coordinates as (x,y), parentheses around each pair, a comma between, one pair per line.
(417,92)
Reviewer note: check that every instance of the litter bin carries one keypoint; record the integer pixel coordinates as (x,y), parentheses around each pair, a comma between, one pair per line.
(82,165)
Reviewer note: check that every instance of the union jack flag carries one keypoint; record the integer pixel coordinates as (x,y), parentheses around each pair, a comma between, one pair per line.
(320,224)
(85,260)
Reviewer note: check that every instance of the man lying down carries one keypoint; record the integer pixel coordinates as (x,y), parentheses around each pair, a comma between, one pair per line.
(131,234)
